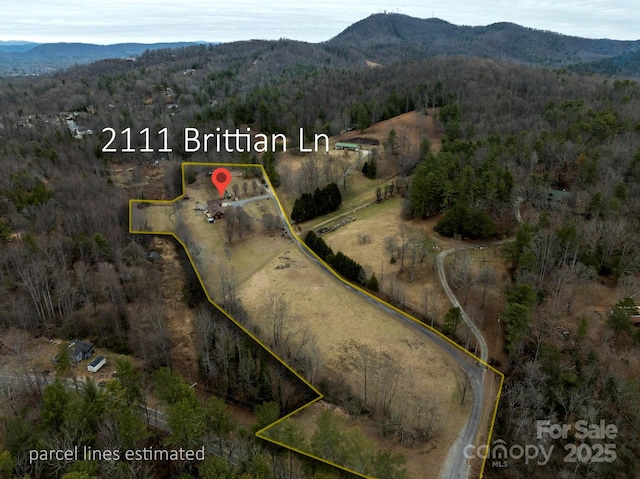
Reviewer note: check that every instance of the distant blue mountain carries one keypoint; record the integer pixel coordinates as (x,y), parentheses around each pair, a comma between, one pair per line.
(26,58)
(16,46)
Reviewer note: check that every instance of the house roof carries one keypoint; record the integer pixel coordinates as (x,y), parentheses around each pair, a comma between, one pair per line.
(96,361)
(80,346)
(216,208)
(342,144)
(557,196)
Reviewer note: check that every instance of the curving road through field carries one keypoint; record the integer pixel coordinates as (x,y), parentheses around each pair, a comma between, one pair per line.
(456,465)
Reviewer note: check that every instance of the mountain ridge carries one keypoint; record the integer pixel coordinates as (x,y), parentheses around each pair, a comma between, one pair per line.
(378,35)
(33,58)
(382,38)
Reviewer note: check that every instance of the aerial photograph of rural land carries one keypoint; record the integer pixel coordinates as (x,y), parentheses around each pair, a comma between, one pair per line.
(319,241)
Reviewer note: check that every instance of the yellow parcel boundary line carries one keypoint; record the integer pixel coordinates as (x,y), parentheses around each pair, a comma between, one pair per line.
(261,433)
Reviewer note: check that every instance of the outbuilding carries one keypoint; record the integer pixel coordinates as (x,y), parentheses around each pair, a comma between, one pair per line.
(347,146)
(96,364)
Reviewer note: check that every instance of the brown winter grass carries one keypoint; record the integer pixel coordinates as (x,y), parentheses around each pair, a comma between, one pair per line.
(321,308)
(379,221)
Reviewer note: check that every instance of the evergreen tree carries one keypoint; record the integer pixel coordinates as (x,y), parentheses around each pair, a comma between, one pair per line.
(372,169)
(320,202)
(219,419)
(451,321)
(389,465)
(304,208)
(54,403)
(334,198)
(318,245)
(326,442)
(7,464)
(372,283)
(269,163)
(346,266)
(323,201)
(619,319)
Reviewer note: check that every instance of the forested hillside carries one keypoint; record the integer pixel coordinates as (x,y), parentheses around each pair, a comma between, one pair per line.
(383,38)
(510,134)
(378,37)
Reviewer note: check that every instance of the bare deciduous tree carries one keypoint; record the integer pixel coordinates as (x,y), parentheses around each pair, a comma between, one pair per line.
(229,223)
(462,275)
(274,311)
(245,222)
(309,174)
(364,238)
(271,222)
(391,245)
(487,278)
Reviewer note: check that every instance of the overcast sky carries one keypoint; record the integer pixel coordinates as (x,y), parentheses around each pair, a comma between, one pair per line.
(149,21)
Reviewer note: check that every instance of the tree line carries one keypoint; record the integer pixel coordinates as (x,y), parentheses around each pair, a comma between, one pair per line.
(343,265)
(323,201)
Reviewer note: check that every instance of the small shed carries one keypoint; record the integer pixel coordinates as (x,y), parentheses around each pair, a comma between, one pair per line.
(96,364)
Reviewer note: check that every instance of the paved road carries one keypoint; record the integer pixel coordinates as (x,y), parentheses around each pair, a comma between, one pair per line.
(244,201)
(456,464)
(484,352)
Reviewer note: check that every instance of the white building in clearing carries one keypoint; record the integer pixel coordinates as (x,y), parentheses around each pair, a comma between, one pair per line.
(347,146)
(96,364)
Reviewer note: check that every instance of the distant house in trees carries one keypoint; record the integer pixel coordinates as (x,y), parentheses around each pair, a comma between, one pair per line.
(154,256)
(555,199)
(216,210)
(558,197)
(78,350)
(347,146)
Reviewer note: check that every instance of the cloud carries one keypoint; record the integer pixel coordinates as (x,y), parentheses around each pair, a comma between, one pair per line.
(162,20)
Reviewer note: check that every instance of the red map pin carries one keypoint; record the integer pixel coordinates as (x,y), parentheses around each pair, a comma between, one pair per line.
(221,179)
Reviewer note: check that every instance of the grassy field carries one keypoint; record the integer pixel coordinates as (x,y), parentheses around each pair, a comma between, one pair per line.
(324,319)
(378,222)
(328,316)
